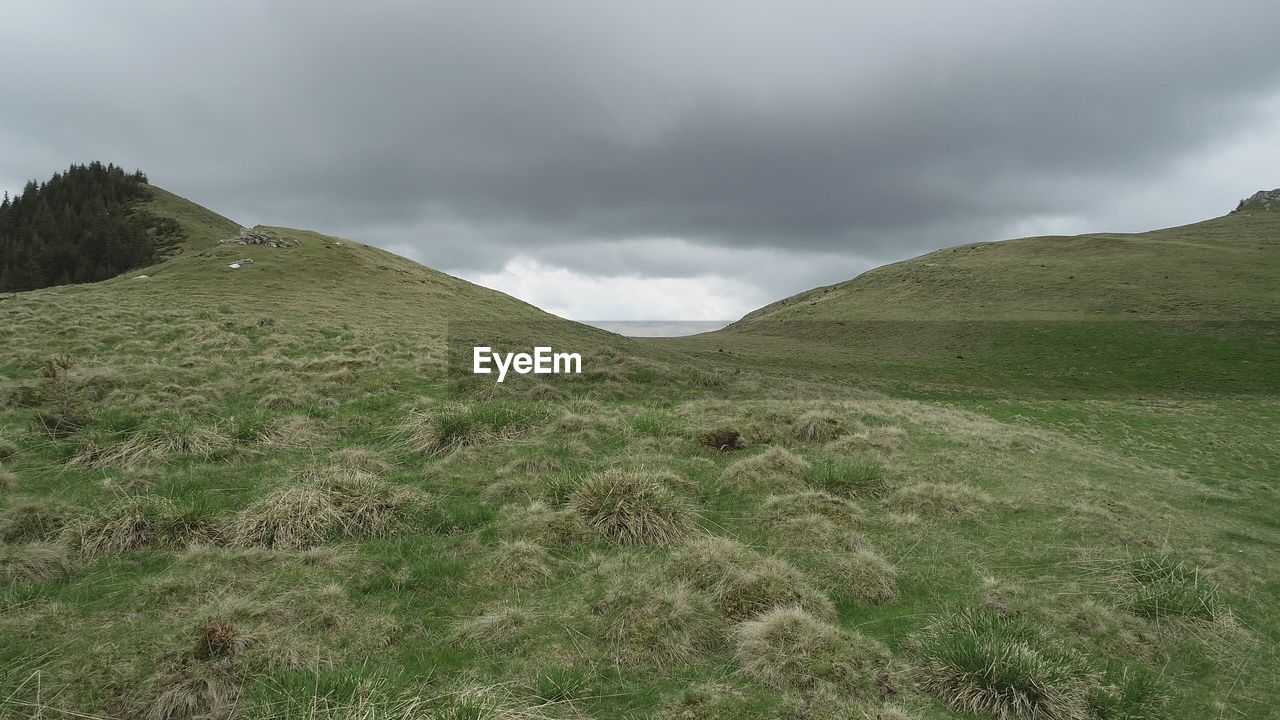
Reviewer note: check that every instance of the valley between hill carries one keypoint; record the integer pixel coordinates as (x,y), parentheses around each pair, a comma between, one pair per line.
(1023,479)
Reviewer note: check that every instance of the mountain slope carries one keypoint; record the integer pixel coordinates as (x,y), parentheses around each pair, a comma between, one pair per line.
(1191,310)
(1225,268)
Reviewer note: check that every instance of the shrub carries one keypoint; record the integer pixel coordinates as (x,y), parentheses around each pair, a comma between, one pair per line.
(983,663)
(647,622)
(138,523)
(816,426)
(33,562)
(632,509)
(939,499)
(1158,587)
(774,468)
(849,476)
(788,648)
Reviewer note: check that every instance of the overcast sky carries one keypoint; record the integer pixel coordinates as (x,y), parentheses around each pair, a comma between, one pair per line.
(658,160)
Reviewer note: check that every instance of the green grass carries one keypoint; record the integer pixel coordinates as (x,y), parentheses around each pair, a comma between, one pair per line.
(258,492)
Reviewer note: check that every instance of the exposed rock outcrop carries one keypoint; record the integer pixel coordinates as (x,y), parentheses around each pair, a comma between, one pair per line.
(258,236)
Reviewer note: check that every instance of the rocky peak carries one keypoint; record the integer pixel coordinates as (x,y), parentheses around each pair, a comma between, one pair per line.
(1265,198)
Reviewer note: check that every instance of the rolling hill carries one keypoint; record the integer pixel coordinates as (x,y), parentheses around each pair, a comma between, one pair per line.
(1191,310)
(251,492)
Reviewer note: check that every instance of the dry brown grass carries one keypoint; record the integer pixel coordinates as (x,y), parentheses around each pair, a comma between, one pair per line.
(138,523)
(322,504)
(773,469)
(630,508)
(546,525)
(788,648)
(863,574)
(780,508)
(492,629)
(648,622)
(939,499)
(816,426)
(34,562)
(520,564)
(741,583)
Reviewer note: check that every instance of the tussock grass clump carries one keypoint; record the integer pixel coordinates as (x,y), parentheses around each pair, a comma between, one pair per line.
(1158,587)
(881,438)
(548,526)
(775,468)
(323,504)
(788,648)
(1006,667)
(632,509)
(816,426)
(33,562)
(939,499)
(742,583)
(293,431)
(362,460)
(450,426)
(780,508)
(499,626)
(155,439)
(7,478)
(8,448)
(521,564)
(862,477)
(863,574)
(27,521)
(817,532)
(769,584)
(705,561)
(138,523)
(649,622)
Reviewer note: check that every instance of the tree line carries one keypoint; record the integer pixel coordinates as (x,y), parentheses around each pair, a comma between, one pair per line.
(83,225)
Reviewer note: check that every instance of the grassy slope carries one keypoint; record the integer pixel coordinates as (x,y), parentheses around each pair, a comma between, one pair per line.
(1223,268)
(199,394)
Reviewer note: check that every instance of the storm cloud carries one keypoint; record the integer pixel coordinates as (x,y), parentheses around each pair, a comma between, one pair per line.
(659,160)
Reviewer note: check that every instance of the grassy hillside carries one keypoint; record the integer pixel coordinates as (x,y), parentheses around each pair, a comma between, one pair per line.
(253,492)
(1190,310)
(1226,268)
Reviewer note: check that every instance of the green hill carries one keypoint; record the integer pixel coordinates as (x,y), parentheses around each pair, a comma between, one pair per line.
(1191,310)
(1227,268)
(252,492)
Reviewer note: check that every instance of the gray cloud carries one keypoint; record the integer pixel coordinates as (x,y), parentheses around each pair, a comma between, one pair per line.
(663,139)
